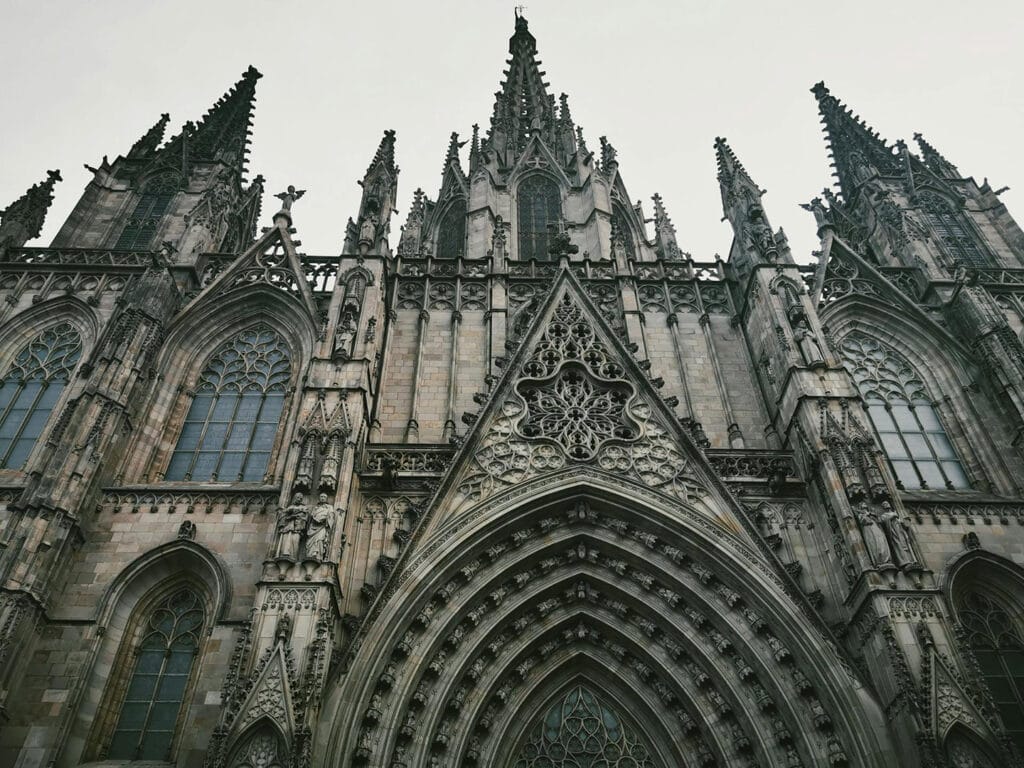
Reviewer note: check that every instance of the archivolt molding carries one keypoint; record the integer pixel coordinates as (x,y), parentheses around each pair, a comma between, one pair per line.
(658,616)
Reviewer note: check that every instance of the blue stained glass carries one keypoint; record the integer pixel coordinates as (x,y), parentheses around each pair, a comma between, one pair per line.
(243,385)
(155,693)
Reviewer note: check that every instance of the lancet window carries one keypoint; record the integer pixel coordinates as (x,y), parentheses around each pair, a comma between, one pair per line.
(162,666)
(952,232)
(539,207)
(998,647)
(908,426)
(451,234)
(622,233)
(581,730)
(233,419)
(149,211)
(30,390)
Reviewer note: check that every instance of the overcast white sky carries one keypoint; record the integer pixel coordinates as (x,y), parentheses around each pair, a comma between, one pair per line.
(660,79)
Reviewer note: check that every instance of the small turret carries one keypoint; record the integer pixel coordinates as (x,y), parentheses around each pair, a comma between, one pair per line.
(380,190)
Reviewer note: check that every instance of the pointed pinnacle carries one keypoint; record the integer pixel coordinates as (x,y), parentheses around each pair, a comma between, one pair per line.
(563,109)
(452,155)
(150,140)
(385,155)
(23,219)
(223,133)
(609,155)
(857,149)
(474,149)
(934,159)
(729,165)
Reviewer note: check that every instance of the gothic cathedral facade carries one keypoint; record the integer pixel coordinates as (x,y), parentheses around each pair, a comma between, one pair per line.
(530,487)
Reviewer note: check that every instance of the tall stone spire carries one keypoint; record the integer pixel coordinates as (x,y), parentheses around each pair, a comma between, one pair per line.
(223,133)
(936,163)
(858,152)
(150,140)
(523,104)
(23,219)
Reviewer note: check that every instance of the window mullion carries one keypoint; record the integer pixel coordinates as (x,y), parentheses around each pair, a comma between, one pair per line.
(4,417)
(252,436)
(227,437)
(202,434)
(24,422)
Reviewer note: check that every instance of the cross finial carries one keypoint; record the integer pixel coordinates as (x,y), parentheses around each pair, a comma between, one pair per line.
(520,9)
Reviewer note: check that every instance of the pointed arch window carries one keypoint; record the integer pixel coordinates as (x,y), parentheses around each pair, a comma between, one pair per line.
(581,730)
(141,227)
(539,209)
(952,231)
(908,426)
(31,389)
(451,234)
(998,647)
(231,425)
(162,668)
(622,232)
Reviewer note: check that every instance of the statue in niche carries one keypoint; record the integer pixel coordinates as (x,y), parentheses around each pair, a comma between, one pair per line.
(291,524)
(898,532)
(347,329)
(760,235)
(318,530)
(808,344)
(874,536)
(307,462)
(332,462)
(283,630)
(368,230)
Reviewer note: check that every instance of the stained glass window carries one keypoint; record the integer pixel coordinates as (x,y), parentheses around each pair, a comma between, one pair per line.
(998,647)
(948,226)
(162,666)
(451,234)
(539,210)
(231,424)
(581,731)
(141,227)
(907,424)
(31,389)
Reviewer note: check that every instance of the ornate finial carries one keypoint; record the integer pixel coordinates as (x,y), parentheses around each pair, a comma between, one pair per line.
(150,140)
(288,197)
(936,163)
(609,155)
(23,219)
(452,155)
(561,243)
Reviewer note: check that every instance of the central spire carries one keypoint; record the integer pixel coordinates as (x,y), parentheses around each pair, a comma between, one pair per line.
(523,105)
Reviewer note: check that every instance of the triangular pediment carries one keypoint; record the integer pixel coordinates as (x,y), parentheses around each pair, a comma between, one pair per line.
(270,696)
(272,261)
(573,400)
(537,157)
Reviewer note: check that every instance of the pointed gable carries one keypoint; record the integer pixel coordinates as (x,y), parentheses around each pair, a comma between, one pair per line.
(572,397)
(273,261)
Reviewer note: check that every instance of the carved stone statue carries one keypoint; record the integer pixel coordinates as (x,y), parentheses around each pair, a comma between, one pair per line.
(368,230)
(874,536)
(318,530)
(283,631)
(808,344)
(187,530)
(347,328)
(291,522)
(289,196)
(899,536)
